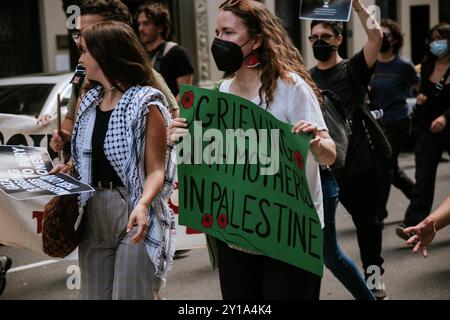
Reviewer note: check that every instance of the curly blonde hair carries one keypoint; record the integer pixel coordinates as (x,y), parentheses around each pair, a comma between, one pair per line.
(278,55)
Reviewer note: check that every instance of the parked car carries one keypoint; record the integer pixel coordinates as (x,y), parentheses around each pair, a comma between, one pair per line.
(34,95)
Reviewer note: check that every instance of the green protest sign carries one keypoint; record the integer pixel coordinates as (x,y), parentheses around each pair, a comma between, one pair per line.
(242,179)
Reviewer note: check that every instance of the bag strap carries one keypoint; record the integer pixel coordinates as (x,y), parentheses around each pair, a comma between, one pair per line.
(169,46)
(162,52)
(440,85)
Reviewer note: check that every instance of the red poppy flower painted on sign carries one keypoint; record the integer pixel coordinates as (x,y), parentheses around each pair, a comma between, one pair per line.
(188,99)
(299,161)
(207,221)
(222,220)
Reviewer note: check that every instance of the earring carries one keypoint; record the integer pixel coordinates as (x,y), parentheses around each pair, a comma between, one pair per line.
(253,60)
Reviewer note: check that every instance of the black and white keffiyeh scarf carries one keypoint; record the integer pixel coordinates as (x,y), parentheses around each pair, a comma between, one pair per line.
(125,149)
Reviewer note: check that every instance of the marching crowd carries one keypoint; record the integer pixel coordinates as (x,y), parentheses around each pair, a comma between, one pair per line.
(124,118)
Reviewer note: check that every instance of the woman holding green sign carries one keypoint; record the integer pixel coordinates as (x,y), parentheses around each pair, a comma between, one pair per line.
(264,67)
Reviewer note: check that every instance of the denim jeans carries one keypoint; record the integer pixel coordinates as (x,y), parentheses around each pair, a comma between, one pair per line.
(342,267)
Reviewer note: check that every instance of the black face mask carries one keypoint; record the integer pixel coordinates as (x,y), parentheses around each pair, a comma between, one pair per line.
(385,45)
(323,50)
(227,55)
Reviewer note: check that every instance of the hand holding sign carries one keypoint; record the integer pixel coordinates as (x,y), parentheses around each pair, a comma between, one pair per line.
(177,129)
(59,139)
(62,168)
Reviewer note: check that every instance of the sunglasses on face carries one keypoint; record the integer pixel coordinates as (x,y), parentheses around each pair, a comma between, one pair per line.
(325,37)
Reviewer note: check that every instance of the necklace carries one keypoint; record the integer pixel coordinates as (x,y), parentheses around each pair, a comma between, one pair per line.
(103,96)
(109,90)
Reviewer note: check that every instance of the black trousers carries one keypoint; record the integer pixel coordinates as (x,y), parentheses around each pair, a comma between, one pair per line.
(428,153)
(360,194)
(389,171)
(245,276)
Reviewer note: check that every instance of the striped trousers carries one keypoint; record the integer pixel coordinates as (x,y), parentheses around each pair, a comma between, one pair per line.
(111,266)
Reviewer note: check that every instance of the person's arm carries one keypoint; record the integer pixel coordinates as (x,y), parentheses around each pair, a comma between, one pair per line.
(304,111)
(68,124)
(58,141)
(162,86)
(44,120)
(441,215)
(373,31)
(439,124)
(426,230)
(447,115)
(322,146)
(155,155)
(413,77)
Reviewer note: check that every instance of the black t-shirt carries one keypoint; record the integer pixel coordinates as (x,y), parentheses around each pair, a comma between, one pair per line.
(349,80)
(173,65)
(101,168)
(440,105)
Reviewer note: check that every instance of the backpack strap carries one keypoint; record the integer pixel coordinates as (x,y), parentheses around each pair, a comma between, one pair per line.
(169,46)
(162,52)
(440,85)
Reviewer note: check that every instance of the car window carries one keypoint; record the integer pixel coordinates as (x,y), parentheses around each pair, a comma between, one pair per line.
(65,96)
(24,99)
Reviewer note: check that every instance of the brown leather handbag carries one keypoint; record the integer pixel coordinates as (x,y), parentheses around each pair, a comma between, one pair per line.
(59,236)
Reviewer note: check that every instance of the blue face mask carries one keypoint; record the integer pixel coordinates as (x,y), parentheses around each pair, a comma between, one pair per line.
(439,48)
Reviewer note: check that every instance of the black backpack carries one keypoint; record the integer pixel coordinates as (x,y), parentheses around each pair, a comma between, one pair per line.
(368,143)
(338,127)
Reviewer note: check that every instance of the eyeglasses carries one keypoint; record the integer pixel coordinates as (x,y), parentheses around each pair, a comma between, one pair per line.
(76,36)
(325,37)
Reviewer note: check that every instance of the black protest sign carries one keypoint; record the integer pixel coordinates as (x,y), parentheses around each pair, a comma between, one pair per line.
(24,162)
(24,174)
(59,184)
(326,10)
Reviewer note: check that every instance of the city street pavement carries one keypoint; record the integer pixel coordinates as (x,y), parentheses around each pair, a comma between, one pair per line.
(407,276)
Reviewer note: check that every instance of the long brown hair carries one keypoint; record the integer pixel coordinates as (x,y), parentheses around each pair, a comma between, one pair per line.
(278,54)
(429,61)
(119,54)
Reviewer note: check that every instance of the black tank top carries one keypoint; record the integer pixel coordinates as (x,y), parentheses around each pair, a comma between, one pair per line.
(101,167)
